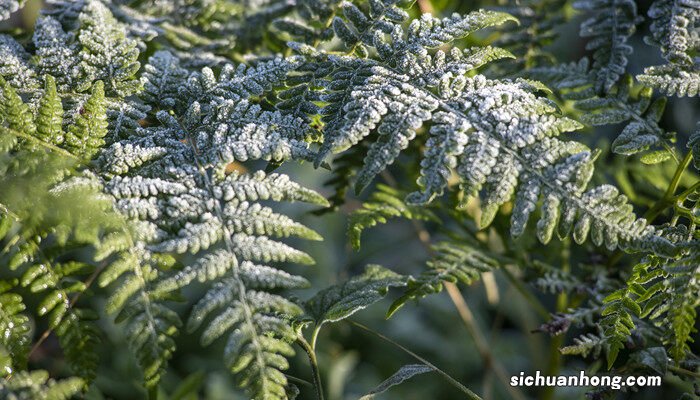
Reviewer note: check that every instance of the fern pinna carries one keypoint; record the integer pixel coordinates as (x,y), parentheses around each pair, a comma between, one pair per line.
(159,142)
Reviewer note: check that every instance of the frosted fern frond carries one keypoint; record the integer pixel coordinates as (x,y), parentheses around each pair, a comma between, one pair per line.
(495,135)
(76,67)
(161,80)
(257,322)
(15,66)
(675,31)
(454,261)
(614,22)
(585,345)
(639,111)
(385,203)
(36,385)
(172,177)
(641,115)
(56,53)
(341,301)
(9,7)
(106,53)
(528,40)
(672,80)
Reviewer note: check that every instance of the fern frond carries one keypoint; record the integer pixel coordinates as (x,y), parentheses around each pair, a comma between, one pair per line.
(528,40)
(150,325)
(341,301)
(639,111)
(585,345)
(8,7)
(672,80)
(172,178)
(66,213)
(498,137)
(454,261)
(36,385)
(14,328)
(385,203)
(663,290)
(86,135)
(106,53)
(674,31)
(615,21)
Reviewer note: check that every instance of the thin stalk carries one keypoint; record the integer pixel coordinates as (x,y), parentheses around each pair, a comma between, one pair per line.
(471,395)
(663,203)
(683,371)
(556,342)
(314,366)
(314,336)
(462,307)
(153,393)
(667,199)
(480,341)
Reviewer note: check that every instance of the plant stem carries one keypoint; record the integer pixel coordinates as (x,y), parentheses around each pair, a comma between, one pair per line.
(314,366)
(683,371)
(480,342)
(556,342)
(314,336)
(471,395)
(153,393)
(666,200)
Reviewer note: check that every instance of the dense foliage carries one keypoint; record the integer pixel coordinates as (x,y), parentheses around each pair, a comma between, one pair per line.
(148,149)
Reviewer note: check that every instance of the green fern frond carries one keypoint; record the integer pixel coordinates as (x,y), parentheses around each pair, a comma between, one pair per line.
(149,325)
(36,385)
(14,328)
(341,301)
(385,203)
(455,261)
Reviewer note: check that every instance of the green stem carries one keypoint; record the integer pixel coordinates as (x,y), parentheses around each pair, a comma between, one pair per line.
(153,393)
(667,199)
(314,366)
(557,342)
(471,395)
(683,371)
(314,336)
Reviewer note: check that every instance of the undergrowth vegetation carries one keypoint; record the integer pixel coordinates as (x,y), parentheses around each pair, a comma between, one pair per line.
(150,152)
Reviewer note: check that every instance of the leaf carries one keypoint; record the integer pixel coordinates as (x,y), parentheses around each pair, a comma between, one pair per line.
(403,374)
(341,301)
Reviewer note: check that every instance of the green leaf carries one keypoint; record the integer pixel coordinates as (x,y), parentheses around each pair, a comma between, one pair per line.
(384,204)
(341,301)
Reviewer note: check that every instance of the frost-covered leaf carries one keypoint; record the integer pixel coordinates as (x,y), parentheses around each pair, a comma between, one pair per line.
(341,301)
